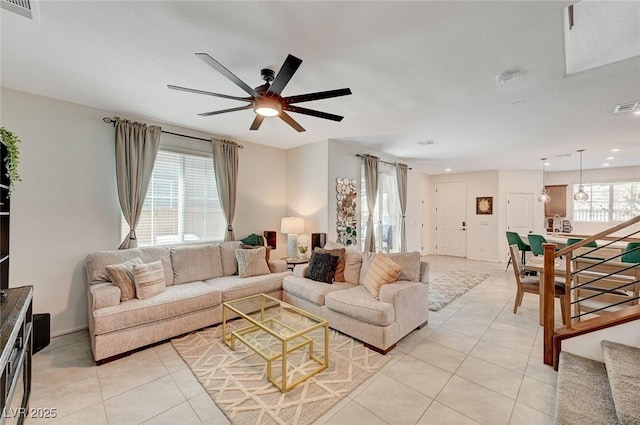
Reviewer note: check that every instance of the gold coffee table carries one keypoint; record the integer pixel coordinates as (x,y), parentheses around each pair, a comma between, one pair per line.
(276,330)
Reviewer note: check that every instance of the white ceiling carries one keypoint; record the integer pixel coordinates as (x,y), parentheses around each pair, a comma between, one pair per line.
(418,71)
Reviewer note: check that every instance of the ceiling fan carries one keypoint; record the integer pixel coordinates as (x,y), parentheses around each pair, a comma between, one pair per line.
(265,99)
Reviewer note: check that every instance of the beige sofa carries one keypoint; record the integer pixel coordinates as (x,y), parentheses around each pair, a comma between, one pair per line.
(197,285)
(350,308)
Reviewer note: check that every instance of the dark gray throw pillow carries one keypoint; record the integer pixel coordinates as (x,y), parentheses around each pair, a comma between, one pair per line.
(322,267)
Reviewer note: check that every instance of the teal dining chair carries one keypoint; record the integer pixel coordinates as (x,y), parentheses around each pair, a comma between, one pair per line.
(536,241)
(631,253)
(572,241)
(514,239)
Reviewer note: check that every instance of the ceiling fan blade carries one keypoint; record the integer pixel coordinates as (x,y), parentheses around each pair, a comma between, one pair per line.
(257,122)
(287,118)
(222,111)
(224,71)
(208,93)
(313,113)
(289,67)
(316,96)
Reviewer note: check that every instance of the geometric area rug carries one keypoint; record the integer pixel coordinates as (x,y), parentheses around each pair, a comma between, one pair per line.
(237,382)
(446,288)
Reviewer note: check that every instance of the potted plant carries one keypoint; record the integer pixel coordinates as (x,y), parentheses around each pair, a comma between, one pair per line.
(303,251)
(12,158)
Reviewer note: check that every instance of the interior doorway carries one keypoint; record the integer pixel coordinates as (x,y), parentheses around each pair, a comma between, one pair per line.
(451,219)
(520,208)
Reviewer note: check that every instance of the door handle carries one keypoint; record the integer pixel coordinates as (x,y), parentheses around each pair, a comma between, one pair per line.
(464,225)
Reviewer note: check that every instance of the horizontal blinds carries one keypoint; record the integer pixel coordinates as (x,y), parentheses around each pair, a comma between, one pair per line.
(619,201)
(181,203)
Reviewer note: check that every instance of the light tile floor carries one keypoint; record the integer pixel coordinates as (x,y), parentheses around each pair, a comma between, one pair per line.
(475,363)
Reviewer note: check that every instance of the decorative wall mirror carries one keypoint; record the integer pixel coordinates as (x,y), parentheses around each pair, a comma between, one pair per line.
(346,211)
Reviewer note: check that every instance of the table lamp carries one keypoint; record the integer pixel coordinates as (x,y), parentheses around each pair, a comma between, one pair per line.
(292,226)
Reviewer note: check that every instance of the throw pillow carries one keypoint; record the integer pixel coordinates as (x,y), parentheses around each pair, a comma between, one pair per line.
(339,276)
(267,251)
(122,276)
(383,270)
(149,279)
(251,262)
(253,240)
(322,267)
(410,262)
(367,259)
(353,263)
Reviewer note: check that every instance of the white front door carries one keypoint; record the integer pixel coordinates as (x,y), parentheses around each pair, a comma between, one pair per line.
(451,219)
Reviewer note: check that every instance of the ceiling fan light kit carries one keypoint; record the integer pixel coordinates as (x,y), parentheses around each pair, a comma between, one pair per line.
(266,100)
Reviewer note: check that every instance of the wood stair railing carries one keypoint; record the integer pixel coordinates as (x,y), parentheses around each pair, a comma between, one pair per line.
(553,337)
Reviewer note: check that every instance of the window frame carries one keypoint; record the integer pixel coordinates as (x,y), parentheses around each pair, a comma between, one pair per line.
(611,199)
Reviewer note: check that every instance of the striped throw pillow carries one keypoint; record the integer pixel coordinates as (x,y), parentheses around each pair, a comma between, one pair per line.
(121,275)
(149,279)
(383,270)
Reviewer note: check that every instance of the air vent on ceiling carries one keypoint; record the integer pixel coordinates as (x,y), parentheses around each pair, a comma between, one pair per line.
(627,107)
(21,7)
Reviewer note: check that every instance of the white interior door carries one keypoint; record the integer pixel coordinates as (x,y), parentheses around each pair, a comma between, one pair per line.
(451,219)
(520,212)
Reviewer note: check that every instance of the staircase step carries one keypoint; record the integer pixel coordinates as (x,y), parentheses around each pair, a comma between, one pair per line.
(623,367)
(584,396)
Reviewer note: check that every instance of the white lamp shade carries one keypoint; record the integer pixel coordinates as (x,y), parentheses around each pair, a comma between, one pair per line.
(292,225)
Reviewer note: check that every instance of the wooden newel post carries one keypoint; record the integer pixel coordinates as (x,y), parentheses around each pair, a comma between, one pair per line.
(548,292)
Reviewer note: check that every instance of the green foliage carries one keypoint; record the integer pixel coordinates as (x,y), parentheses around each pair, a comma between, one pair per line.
(12,159)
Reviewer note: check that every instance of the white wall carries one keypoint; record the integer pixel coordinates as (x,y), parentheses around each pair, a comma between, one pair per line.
(482,230)
(588,345)
(307,187)
(66,205)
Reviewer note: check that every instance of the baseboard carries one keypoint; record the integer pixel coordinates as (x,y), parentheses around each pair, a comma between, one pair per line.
(69,331)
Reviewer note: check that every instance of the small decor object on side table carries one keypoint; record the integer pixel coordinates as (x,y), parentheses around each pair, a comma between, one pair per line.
(303,252)
(484,205)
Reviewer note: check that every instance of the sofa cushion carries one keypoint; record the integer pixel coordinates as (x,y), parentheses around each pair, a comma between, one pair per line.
(196,262)
(149,279)
(228,254)
(234,287)
(97,261)
(121,275)
(251,262)
(358,303)
(174,301)
(352,265)
(322,267)
(410,262)
(338,252)
(311,290)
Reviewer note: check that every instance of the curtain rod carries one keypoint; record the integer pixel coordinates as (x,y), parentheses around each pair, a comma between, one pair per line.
(384,162)
(113,121)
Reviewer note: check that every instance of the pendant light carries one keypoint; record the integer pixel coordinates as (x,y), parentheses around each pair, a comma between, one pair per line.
(544,196)
(580,195)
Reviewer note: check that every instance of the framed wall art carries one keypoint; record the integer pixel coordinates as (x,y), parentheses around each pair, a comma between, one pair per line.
(484,205)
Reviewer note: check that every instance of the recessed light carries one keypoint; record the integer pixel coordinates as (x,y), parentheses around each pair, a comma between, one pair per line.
(547,164)
(606,164)
(637,112)
(447,169)
(611,158)
(615,150)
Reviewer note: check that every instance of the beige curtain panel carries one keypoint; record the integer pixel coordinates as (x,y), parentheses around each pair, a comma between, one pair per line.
(225,164)
(136,150)
(401,177)
(371,166)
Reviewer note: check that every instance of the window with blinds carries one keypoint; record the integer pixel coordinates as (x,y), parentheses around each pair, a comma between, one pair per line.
(182,202)
(608,202)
